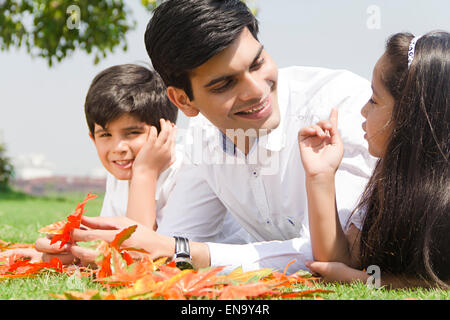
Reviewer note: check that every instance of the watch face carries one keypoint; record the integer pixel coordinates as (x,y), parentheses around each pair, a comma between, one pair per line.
(183,264)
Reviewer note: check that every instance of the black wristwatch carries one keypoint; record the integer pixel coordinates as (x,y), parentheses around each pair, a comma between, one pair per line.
(182,256)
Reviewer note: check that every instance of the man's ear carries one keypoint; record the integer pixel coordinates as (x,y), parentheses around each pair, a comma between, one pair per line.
(180,99)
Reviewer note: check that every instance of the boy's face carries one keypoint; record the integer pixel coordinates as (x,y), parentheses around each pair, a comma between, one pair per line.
(237,88)
(119,143)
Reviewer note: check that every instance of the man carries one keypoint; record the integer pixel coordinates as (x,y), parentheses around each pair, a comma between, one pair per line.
(244,157)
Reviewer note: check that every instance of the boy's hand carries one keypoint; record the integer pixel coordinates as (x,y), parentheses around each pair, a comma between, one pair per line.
(159,151)
(27,253)
(321,147)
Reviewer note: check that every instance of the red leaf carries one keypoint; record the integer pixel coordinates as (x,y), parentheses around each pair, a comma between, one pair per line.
(74,222)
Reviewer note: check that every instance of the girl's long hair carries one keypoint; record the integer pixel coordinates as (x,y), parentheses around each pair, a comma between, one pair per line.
(406,230)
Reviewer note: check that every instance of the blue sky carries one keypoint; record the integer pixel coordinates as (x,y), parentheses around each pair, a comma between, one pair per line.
(41,109)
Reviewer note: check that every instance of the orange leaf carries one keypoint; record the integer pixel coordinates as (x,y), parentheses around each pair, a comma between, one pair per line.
(54,228)
(245,291)
(195,283)
(304,293)
(122,236)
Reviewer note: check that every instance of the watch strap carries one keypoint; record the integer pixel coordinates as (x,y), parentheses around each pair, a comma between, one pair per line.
(182,249)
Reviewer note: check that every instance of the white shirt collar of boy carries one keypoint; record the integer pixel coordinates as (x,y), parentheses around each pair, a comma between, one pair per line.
(265,190)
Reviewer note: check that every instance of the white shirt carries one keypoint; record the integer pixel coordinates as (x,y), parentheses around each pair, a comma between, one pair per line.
(116,195)
(265,192)
(116,200)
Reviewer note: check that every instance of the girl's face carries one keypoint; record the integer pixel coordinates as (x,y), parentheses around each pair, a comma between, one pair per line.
(378,112)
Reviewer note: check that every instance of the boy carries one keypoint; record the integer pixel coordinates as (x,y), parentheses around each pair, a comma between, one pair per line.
(126,107)
(123,109)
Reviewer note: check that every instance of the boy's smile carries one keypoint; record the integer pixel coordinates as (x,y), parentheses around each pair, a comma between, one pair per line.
(119,143)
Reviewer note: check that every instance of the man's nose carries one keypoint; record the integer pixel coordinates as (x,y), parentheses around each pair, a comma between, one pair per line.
(252,88)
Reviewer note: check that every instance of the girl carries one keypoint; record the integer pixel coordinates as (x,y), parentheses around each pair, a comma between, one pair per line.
(402,222)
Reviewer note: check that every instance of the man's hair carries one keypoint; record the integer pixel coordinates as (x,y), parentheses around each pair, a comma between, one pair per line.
(184,34)
(128,89)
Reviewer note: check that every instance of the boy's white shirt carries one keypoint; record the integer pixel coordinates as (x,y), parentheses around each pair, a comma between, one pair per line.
(267,196)
(116,200)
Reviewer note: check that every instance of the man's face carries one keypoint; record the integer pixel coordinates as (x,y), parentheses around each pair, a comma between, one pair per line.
(237,88)
(119,143)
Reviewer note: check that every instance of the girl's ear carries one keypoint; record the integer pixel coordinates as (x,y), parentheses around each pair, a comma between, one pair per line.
(180,99)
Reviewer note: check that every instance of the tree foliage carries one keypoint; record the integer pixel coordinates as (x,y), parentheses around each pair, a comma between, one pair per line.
(55,29)
(6,168)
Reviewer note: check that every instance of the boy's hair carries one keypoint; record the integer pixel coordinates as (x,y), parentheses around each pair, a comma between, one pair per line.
(130,89)
(184,34)
(407,200)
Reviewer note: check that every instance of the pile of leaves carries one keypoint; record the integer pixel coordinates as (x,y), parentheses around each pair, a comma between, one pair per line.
(125,278)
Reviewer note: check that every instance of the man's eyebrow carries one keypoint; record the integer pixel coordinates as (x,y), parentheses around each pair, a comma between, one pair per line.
(226,77)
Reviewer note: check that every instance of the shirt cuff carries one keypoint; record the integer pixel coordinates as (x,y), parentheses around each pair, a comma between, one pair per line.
(231,256)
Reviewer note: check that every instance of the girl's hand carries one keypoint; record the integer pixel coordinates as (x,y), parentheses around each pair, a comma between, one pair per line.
(159,151)
(336,272)
(321,147)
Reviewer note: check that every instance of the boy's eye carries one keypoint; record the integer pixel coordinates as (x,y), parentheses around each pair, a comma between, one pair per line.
(105,135)
(372,101)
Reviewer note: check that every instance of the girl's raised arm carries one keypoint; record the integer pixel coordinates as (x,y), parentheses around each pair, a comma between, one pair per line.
(321,151)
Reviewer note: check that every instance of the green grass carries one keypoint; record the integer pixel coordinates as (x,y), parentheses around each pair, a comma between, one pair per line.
(22,215)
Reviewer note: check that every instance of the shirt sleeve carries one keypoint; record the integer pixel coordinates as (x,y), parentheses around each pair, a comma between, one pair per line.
(192,208)
(116,198)
(269,254)
(107,204)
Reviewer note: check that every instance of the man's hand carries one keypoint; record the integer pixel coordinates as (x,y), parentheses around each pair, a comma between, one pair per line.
(106,228)
(321,147)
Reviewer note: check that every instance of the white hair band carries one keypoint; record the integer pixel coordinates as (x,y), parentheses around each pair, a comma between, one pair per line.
(412,47)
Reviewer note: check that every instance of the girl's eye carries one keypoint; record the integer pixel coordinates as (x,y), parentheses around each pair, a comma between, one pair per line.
(372,101)
(103,135)
(134,132)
